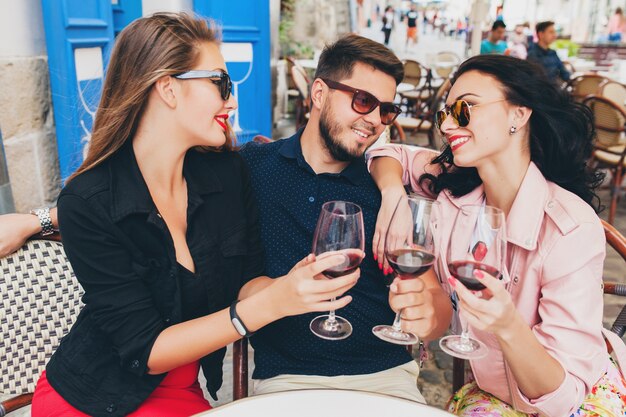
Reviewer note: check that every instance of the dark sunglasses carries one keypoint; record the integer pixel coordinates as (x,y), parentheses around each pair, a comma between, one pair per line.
(460,112)
(218,77)
(365,103)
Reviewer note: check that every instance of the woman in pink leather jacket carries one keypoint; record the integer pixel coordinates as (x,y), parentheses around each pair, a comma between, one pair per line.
(517,142)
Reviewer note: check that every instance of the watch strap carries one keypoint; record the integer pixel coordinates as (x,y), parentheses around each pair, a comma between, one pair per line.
(237,322)
(43,214)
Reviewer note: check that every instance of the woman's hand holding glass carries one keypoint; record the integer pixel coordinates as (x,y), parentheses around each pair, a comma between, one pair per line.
(491,310)
(306,289)
(477,248)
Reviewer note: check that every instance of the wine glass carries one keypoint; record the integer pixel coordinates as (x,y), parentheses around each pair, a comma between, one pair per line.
(477,243)
(409,256)
(339,230)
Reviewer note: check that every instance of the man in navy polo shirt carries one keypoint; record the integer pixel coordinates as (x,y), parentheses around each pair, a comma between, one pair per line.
(292,179)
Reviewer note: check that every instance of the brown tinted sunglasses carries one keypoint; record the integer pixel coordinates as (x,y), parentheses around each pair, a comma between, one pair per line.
(365,103)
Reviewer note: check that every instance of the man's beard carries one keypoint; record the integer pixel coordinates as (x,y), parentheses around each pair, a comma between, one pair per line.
(329,131)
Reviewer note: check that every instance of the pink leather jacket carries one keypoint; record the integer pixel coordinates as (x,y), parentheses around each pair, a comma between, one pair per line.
(556,249)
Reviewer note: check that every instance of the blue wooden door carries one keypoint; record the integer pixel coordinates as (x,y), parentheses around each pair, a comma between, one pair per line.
(79,36)
(246,49)
(124,12)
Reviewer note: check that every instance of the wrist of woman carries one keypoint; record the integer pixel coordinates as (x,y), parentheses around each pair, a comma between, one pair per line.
(513,329)
(262,307)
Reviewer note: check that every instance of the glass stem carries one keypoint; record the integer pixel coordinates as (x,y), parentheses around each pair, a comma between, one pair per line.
(397,321)
(331,316)
(465,339)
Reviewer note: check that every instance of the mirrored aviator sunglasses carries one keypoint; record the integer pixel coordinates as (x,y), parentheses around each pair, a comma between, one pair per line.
(365,103)
(459,110)
(217,77)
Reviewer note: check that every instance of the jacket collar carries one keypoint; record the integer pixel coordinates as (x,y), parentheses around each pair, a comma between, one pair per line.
(356,172)
(130,194)
(524,221)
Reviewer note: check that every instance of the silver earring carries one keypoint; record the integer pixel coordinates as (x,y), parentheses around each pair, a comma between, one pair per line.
(512,130)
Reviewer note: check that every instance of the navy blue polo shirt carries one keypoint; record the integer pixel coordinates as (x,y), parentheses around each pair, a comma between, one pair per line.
(290,196)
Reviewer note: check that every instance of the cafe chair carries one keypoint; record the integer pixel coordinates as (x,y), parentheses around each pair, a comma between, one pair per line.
(615,240)
(291,89)
(610,145)
(303,103)
(396,133)
(420,78)
(423,122)
(262,139)
(444,67)
(614,91)
(584,85)
(40,303)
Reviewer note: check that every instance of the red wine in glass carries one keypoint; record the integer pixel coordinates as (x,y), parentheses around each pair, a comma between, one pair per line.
(477,243)
(410,251)
(410,263)
(464,272)
(351,263)
(339,230)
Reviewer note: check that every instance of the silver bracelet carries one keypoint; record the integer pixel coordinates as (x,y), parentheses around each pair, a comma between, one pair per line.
(43,214)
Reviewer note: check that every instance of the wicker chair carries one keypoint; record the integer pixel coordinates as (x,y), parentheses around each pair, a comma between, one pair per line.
(303,104)
(610,146)
(614,91)
(40,302)
(41,299)
(615,240)
(420,78)
(444,67)
(424,120)
(584,85)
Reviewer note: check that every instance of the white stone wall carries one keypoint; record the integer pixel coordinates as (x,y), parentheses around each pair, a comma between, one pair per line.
(321,21)
(25,107)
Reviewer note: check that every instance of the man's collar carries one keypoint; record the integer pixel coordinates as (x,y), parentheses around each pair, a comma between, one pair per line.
(291,148)
(129,192)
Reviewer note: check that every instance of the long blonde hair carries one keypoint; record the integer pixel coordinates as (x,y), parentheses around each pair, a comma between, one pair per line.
(146,50)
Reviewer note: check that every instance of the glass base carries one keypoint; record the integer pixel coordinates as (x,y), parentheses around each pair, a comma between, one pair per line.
(338,329)
(464,348)
(391,335)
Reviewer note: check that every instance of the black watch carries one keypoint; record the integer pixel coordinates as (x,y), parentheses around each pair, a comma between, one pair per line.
(237,322)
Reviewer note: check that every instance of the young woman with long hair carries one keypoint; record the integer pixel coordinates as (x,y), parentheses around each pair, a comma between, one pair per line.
(517,142)
(161,228)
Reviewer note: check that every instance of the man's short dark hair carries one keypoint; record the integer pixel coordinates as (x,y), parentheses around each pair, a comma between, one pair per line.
(498,24)
(542,26)
(337,60)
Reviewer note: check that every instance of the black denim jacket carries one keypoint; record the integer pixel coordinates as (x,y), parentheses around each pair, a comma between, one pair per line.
(123,256)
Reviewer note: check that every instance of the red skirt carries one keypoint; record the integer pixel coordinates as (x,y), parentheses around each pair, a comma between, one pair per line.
(178,395)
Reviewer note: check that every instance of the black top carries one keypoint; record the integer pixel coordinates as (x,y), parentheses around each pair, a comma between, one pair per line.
(550,62)
(290,197)
(123,256)
(411,18)
(193,294)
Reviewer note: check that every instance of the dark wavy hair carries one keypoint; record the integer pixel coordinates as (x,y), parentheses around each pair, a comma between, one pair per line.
(561,131)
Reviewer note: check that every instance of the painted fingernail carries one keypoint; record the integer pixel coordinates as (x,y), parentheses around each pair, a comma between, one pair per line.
(452,282)
(375,257)
(388,270)
(479,274)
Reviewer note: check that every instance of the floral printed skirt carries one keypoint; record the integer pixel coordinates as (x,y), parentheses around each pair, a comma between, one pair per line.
(607,399)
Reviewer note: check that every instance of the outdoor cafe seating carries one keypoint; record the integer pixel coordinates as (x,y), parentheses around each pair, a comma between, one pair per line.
(41,300)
